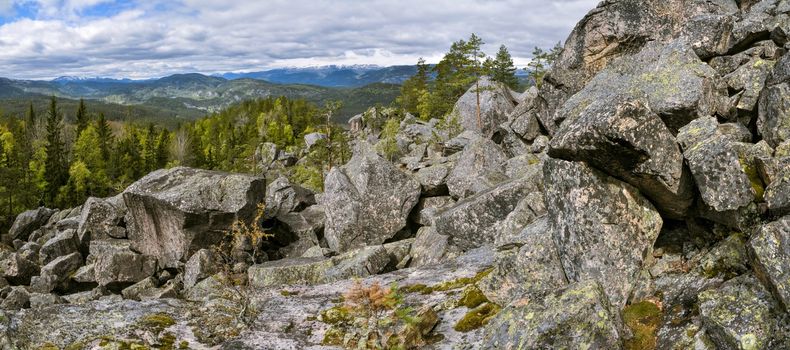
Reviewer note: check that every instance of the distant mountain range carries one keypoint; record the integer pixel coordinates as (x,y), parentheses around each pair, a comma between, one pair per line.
(331,76)
(188,96)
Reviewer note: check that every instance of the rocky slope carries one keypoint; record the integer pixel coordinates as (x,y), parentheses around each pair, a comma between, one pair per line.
(639,199)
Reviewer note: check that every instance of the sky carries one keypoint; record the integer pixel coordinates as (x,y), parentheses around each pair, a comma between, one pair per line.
(45,39)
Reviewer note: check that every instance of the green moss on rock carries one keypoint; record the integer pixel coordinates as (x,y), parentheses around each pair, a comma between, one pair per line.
(643,318)
(477,317)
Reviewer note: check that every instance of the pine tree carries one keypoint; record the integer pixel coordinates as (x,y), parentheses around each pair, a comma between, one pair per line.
(413,88)
(502,68)
(82,117)
(106,141)
(55,166)
(32,122)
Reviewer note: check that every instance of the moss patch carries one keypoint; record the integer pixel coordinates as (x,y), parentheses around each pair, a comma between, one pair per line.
(333,336)
(754,177)
(336,315)
(472,297)
(477,317)
(447,285)
(643,318)
(287,293)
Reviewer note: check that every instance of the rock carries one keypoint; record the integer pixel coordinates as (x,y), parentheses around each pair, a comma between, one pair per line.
(432,180)
(360,263)
(176,212)
(495,105)
(429,247)
(42,300)
(604,229)
(769,253)
(532,269)
(478,169)
(64,243)
(738,315)
(630,142)
(44,283)
(133,292)
(28,222)
(18,299)
(458,143)
(200,265)
(103,246)
(527,211)
(63,266)
(777,195)
(101,219)
(302,229)
(524,118)
(578,316)
(428,209)
(29,251)
(472,222)
(18,270)
(85,274)
(313,138)
(716,166)
(123,268)
(670,78)
(773,121)
(282,197)
(367,201)
(750,80)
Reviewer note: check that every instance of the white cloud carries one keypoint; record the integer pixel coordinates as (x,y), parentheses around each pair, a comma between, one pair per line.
(155,38)
(6,8)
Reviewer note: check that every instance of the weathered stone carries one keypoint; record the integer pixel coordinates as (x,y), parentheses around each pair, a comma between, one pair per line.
(64,243)
(429,247)
(628,141)
(28,222)
(530,269)
(739,314)
(42,300)
(133,292)
(777,195)
(99,247)
(429,208)
(176,212)
(495,103)
(750,80)
(367,201)
(578,316)
(432,180)
(472,222)
(30,251)
(101,219)
(18,270)
(360,263)
(63,266)
(18,299)
(458,143)
(313,138)
(473,171)
(302,229)
(123,267)
(85,274)
(200,265)
(604,228)
(773,121)
(283,197)
(769,252)
(718,172)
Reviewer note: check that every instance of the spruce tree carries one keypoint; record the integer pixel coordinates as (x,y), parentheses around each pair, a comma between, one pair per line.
(105,137)
(502,68)
(82,118)
(56,174)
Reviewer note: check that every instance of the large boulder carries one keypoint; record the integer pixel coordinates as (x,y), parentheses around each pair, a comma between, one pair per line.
(123,267)
(63,243)
(629,141)
(603,227)
(738,315)
(102,218)
(18,270)
(777,194)
(28,222)
(176,212)
(774,114)
(282,197)
(578,316)
(478,168)
(495,104)
(475,221)
(366,201)
(769,253)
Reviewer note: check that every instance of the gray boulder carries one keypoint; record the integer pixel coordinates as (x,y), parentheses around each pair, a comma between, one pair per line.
(629,141)
(477,169)
(773,120)
(176,212)
(200,265)
(604,228)
(777,195)
(29,221)
(473,222)
(42,300)
(578,316)
(429,247)
(62,267)
(739,314)
(101,219)
(123,267)
(17,299)
(769,253)
(496,103)
(428,209)
(63,243)
(432,179)
(367,201)
(301,230)
(283,197)
(313,138)
(18,270)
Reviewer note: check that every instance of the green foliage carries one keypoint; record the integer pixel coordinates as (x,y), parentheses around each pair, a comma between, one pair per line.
(541,62)
(413,90)
(502,68)
(388,146)
(55,166)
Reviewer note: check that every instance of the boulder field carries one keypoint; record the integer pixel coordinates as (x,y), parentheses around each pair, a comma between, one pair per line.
(638,199)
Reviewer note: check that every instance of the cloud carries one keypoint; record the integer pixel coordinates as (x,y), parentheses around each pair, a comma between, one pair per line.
(156,37)
(6,8)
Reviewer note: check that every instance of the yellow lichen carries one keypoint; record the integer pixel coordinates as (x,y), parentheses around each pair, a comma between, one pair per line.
(643,318)
(477,317)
